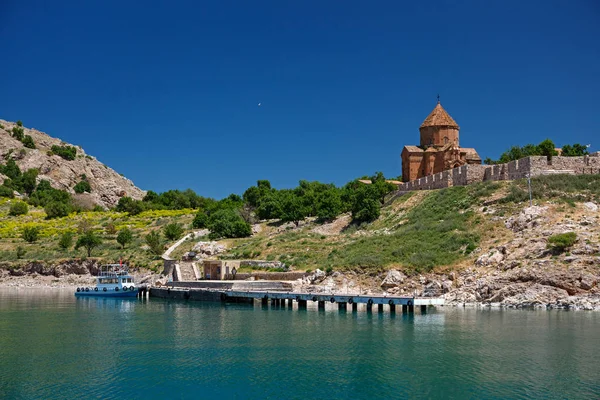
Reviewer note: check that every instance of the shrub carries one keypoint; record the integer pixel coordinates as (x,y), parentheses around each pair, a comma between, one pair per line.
(31,233)
(18,208)
(82,186)
(17,133)
(6,192)
(55,209)
(20,252)
(560,242)
(154,243)
(28,142)
(110,228)
(173,231)
(66,240)
(125,236)
(67,152)
(90,241)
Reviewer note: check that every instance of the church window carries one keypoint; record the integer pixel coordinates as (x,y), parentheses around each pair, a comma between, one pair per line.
(445,139)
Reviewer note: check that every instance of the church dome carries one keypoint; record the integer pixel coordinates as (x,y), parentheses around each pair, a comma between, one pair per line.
(439,117)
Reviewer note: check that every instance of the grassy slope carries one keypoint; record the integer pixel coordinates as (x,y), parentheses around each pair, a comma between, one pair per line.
(417,231)
(46,247)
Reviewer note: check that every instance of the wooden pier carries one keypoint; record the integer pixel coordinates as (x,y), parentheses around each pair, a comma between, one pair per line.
(276,298)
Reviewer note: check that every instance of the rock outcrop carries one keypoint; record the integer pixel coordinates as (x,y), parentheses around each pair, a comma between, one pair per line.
(106,184)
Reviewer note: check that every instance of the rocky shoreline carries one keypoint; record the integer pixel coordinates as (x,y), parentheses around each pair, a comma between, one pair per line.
(558,292)
(68,274)
(521,272)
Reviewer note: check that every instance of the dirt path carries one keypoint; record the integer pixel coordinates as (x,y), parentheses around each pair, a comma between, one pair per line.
(194,234)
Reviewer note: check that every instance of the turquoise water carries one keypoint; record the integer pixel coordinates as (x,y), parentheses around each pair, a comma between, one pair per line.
(53,345)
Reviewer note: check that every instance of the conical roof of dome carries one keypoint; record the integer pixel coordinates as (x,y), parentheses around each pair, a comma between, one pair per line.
(439,117)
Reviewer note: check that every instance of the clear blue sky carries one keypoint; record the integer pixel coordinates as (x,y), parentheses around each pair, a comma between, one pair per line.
(167,92)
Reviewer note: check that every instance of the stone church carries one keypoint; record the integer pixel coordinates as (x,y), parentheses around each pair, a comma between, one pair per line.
(439,149)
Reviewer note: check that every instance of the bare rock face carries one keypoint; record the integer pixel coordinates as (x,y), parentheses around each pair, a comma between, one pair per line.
(207,249)
(107,185)
(393,279)
(527,219)
(495,257)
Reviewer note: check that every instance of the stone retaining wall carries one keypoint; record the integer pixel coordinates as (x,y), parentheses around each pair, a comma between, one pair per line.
(519,169)
(271,276)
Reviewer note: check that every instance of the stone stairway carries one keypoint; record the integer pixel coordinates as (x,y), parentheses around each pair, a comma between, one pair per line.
(187,271)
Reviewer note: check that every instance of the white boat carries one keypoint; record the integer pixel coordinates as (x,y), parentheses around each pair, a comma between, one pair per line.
(113,280)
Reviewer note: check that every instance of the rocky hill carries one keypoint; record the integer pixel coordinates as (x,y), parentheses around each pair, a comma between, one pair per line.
(106,184)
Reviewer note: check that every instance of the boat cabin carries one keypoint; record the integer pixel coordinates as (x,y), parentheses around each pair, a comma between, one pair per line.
(116,277)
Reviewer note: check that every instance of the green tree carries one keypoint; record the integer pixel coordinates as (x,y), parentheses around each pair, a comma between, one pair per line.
(329,205)
(154,242)
(18,208)
(56,209)
(292,209)
(173,231)
(125,236)
(547,148)
(150,197)
(574,150)
(382,187)
(200,220)
(30,233)
(28,181)
(269,207)
(228,223)
(11,169)
(130,206)
(89,240)
(365,204)
(66,240)
(254,195)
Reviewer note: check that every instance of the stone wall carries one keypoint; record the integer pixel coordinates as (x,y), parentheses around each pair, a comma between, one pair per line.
(271,276)
(519,169)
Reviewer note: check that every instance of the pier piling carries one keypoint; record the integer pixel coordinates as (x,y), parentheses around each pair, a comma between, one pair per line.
(278,298)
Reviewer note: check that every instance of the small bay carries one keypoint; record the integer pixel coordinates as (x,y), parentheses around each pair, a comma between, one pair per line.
(53,345)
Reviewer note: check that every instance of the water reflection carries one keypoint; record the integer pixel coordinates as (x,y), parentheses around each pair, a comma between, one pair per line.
(53,345)
(117,304)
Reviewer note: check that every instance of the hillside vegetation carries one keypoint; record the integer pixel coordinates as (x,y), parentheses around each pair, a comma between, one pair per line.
(416,232)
